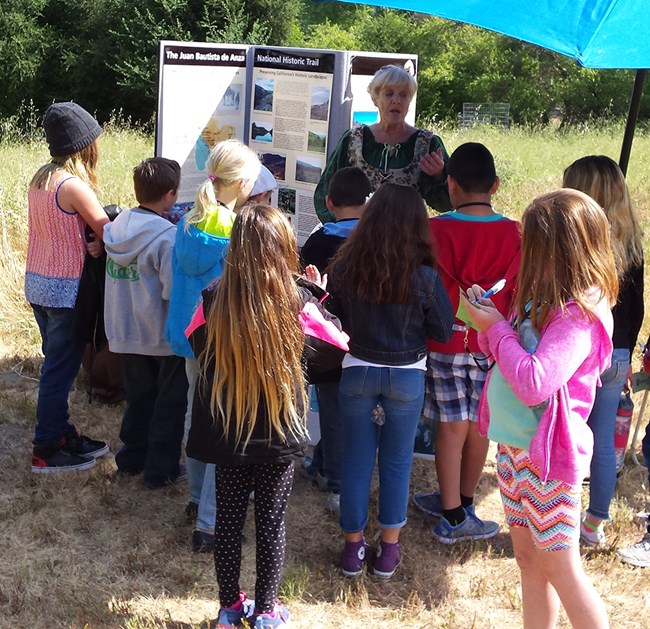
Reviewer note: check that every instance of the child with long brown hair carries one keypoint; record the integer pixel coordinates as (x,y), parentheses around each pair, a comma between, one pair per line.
(250,405)
(601,178)
(199,252)
(62,201)
(538,396)
(390,300)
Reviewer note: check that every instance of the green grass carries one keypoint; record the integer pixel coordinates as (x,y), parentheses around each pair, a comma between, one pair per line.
(101,551)
(529,162)
(120,150)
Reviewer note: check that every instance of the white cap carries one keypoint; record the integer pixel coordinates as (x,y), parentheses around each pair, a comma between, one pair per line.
(265,182)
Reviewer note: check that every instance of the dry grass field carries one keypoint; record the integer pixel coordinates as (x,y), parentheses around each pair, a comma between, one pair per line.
(99,551)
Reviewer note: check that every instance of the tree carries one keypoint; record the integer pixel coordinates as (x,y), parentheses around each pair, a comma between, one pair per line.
(104,54)
(142,26)
(24,45)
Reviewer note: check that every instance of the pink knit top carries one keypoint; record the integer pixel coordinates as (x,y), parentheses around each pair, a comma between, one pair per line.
(56,249)
(564,369)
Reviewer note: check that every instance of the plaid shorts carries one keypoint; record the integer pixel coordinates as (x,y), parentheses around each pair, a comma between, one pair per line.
(550,510)
(453,387)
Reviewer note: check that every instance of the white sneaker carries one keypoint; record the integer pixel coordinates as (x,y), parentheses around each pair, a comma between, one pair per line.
(590,537)
(638,554)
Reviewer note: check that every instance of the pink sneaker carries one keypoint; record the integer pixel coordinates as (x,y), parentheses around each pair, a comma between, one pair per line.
(279,617)
(234,615)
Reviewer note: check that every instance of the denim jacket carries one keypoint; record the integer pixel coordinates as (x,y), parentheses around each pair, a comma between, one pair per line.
(395,334)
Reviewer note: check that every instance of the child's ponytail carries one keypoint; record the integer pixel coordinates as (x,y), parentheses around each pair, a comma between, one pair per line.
(230,162)
(205,199)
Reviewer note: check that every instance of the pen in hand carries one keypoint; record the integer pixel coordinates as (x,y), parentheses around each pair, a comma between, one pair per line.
(491,291)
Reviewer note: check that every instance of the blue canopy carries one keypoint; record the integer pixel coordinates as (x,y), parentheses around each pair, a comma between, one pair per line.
(597,33)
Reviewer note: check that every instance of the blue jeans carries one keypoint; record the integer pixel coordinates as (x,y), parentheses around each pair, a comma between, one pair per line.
(63,355)
(329,450)
(401,393)
(602,420)
(200,475)
(195,468)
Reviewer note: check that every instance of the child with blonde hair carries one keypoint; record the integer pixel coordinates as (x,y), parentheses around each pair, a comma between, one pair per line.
(62,201)
(198,258)
(536,400)
(250,407)
(601,178)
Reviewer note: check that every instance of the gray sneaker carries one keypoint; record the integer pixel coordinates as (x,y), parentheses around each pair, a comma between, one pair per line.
(470,528)
(638,554)
(429,502)
(333,503)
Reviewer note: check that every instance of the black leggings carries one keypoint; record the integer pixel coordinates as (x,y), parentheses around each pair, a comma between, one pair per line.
(272,483)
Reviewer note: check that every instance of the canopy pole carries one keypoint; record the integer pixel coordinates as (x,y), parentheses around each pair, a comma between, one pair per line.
(632,116)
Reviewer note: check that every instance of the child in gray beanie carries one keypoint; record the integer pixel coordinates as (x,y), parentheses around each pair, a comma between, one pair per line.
(62,201)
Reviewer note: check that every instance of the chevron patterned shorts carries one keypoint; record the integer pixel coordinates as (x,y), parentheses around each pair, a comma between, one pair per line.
(551,510)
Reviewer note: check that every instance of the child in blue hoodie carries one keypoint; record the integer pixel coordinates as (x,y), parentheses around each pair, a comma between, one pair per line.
(198,258)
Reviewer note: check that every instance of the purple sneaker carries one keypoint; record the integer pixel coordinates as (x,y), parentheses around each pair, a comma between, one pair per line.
(387,559)
(354,557)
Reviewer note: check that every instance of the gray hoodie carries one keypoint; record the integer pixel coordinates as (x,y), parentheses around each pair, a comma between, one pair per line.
(139,247)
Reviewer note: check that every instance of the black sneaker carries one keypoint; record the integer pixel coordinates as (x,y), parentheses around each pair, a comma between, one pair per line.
(191,511)
(163,482)
(48,459)
(202,542)
(85,446)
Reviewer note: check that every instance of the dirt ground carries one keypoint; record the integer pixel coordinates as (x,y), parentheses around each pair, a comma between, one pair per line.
(97,550)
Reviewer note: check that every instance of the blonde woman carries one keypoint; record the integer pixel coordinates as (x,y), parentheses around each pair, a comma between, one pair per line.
(198,258)
(602,179)
(62,201)
(391,149)
(249,416)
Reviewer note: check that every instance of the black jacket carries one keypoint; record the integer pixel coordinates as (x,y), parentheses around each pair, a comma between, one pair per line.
(207,440)
(628,311)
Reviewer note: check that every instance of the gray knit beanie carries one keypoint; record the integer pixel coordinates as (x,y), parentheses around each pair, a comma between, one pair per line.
(69,128)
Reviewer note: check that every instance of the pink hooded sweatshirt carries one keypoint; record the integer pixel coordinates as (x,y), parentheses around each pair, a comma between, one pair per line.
(565,369)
